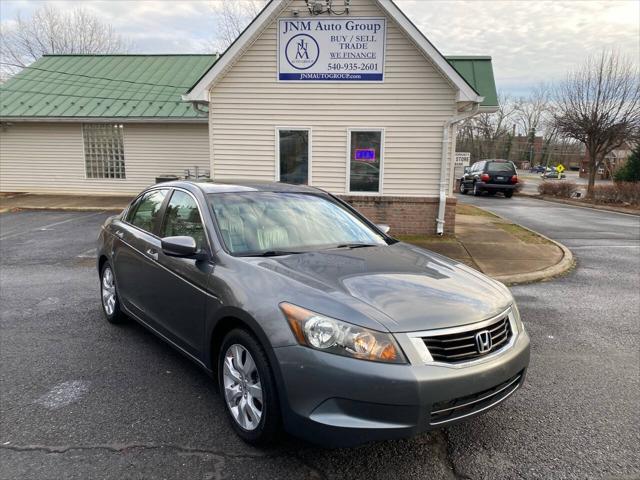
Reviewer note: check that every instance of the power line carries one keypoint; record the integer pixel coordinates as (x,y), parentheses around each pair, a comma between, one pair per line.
(95,77)
(80,84)
(35,92)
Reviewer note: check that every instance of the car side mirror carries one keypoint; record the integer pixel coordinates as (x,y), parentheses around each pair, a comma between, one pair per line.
(181,246)
(383,228)
(467,169)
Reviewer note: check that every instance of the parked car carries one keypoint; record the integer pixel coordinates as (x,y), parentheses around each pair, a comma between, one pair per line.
(537,169)
(491,176)
(552,173)
(309,316)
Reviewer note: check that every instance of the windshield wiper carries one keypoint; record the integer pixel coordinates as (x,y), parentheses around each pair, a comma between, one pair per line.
(355,245)
(271,253)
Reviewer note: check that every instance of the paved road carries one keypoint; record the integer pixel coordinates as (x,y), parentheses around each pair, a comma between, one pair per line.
(84,399)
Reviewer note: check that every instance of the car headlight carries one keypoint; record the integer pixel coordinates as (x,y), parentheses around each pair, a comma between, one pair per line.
(335,336)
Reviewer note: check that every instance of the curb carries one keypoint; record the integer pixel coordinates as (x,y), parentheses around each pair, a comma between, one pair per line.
(563,266)
(562,201)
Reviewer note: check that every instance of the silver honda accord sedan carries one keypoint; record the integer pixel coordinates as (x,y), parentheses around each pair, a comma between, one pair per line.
(309,316)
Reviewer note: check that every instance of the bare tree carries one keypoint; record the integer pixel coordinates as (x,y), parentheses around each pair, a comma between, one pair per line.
(599,105)
(232,17)
(50,31)
(532,112)
(534,117)
(488,135)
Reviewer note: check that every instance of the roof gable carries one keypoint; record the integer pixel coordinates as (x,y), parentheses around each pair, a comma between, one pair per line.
(113,86)
(478,72)
(200,90)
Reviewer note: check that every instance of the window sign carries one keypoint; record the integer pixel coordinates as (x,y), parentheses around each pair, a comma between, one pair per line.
(331,49)
(365,161)
(293,156)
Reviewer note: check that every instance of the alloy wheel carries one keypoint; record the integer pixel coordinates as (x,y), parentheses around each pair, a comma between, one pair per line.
(108,291)
(242,387)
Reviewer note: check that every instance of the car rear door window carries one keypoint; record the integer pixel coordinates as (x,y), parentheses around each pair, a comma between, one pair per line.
(182,218)
(146,211)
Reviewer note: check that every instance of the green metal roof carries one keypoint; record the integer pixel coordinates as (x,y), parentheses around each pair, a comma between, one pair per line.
(478,72)
(143,86)
(111,86)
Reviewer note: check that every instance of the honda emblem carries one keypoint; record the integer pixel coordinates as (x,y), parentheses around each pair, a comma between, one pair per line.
(483,341)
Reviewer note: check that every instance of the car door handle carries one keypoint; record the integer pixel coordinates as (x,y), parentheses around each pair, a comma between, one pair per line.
(119,234)
(153,253)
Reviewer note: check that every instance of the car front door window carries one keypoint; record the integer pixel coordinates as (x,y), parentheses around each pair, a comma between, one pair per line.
(182,218)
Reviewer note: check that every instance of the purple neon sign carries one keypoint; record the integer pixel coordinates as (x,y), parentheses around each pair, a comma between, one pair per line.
(365,154)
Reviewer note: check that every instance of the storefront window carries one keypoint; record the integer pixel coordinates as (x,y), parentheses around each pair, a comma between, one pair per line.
(365,161)
(294,156)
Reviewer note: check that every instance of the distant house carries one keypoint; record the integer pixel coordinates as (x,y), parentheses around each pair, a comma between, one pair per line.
(360,104)
(613,161)
(101,124)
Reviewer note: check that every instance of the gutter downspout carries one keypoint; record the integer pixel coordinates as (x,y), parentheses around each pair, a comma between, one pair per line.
(197,106)
(446,128)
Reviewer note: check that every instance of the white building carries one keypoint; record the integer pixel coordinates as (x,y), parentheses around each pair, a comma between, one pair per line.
(354,101)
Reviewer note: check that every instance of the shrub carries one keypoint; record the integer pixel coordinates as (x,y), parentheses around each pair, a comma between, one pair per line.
(605,194)
(558,188)
(619,192)
(630,171)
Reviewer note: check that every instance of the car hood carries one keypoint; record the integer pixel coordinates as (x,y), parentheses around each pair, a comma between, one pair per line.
(413,289)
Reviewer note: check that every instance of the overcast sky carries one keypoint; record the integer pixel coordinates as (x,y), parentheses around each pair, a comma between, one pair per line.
(530,41)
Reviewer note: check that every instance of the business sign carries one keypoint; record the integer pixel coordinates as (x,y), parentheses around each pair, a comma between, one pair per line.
(331,49)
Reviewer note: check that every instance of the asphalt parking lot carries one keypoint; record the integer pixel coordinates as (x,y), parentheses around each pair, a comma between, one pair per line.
(84,399)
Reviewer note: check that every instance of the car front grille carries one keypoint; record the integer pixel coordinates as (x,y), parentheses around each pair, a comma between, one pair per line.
(464,346)
(452,410)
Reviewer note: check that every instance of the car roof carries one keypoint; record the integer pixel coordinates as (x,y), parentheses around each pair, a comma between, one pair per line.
(231,186)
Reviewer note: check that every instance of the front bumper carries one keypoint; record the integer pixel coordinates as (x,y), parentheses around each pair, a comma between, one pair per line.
(339,401)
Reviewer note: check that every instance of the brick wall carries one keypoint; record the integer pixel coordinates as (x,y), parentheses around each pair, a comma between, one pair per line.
(405,215)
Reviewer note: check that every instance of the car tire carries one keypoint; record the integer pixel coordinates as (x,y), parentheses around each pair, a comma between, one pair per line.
(508,194)
(238,388)
(110,300)
(476,191)
(462,189)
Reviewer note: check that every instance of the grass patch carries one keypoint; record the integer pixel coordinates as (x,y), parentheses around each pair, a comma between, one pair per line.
(464,209)
(522,233)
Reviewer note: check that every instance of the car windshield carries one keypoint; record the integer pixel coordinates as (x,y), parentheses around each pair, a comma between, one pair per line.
(258,223)
(505,167)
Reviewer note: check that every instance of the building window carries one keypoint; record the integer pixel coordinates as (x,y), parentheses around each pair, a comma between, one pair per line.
(365,160)
(103,150)
(293,156)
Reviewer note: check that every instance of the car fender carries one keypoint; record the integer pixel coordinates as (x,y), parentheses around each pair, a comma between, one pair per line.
(246,321)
